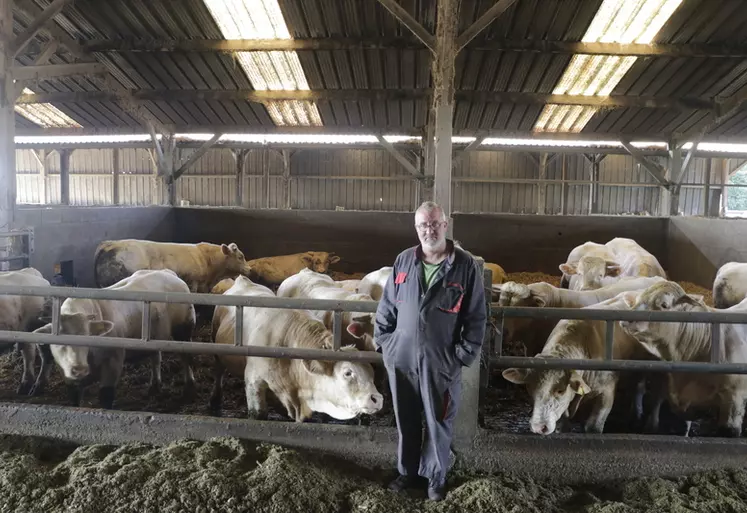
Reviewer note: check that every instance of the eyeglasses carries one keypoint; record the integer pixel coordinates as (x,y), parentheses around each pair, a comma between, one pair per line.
(434,225)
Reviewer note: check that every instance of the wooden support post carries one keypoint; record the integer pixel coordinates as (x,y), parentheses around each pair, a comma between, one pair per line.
(563,189)
(65,176)
(670,196)
(724,191)
(43,178)
(443,102)
(287,175)
(240,158)
(168,144)
(706,198)
(7,120)
(115,176)
(266,177)
(542,185)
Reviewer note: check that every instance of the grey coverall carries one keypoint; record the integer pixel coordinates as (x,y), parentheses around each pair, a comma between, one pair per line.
(425,337)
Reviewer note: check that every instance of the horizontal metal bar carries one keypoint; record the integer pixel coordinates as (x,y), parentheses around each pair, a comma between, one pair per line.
(590,314)
(171,346)
(14,258)
(188,298)
(618,365)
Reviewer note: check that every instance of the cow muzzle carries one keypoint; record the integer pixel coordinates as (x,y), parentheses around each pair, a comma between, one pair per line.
(78,372)
(374,403)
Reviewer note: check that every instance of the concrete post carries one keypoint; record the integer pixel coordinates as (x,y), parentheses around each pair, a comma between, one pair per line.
(7,120)
(65,177)
(443,101)
(466,422)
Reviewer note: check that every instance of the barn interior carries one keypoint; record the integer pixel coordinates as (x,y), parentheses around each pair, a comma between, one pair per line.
(320,125)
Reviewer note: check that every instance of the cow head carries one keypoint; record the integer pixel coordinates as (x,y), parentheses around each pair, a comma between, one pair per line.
(592,271)
(319,261)
(73,360)
(235,263)
(342,389)
(662,338)
(553,393)
(518,294)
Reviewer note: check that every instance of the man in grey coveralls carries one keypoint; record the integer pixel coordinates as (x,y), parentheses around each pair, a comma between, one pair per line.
(429,324)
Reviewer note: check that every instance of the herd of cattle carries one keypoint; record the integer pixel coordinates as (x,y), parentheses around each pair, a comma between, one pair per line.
(621,275)
(617,275)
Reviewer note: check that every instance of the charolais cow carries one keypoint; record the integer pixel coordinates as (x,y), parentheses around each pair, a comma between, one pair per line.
(349,285)
(340,389)
(374,282)
(690,393)
(533,333)
(497,273)
(22,313)
(309,284)
(222,286)
(591,249)
(83,365)
(730,285)
(201,265)
(271,271)
(557,394)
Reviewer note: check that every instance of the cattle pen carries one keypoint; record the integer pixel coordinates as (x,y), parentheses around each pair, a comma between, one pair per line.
(573,146)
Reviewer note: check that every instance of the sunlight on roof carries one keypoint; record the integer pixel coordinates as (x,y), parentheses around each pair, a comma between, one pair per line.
(616,21)
(82,139)
(45,114)
(718,147)
(274,71)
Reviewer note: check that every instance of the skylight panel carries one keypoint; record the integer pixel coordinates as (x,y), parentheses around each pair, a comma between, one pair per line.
(616,21)
(273,71)
(45,114)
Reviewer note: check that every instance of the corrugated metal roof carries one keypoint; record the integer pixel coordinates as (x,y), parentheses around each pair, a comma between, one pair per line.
(696,21)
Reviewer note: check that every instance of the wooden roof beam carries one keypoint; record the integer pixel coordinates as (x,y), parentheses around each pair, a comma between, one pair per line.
(482,22)
(411,23)
(703,50)
(41,19)
(50,71)
(188,95)
(657,171)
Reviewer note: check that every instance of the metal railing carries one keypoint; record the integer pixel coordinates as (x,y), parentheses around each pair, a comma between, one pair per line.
(608,363)
(145,343)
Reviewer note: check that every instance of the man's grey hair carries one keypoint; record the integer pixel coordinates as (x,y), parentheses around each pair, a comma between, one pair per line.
(430,206)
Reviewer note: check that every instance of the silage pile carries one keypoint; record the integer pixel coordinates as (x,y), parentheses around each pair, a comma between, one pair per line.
(229,475)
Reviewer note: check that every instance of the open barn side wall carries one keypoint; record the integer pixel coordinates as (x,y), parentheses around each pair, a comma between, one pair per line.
(698,247)
(541,243)
(69,233)
(365,241)
(356,179)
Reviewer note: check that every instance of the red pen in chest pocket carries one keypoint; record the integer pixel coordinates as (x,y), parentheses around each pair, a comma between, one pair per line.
(400,279)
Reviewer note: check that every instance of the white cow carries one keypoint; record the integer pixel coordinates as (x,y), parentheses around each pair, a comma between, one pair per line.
(82,365)
(691,342)
(621,258)
(570,267)
(313,285)
(340,389)
(533,333)
(730,285)
(558,393)
(374,282)
(22,313)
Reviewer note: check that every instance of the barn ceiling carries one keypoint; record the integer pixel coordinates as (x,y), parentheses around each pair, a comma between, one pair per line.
(350,64)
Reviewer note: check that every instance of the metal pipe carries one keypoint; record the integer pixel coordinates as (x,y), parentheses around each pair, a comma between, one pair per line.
(715,342)
(189,298)
(55,316)
(145,329)
(609,339)
(589,314)
(499,345)
(618,365)
(238,329)
(173,346)
(336,330)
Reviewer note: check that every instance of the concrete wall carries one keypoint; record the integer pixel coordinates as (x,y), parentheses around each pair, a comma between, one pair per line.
(365,241)
(541,243)
(698,247)
(72,233)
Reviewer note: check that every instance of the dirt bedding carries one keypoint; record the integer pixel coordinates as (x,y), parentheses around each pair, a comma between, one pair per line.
(230,475)
(533,277)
